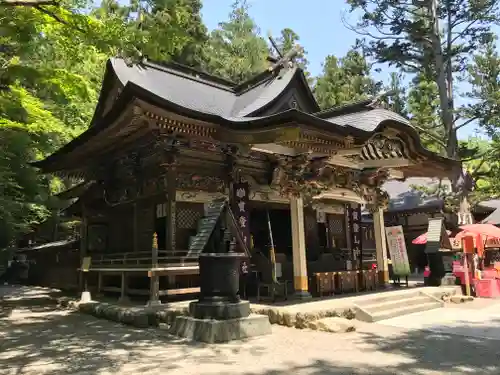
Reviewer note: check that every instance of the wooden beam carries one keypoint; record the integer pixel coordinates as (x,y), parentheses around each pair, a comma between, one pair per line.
(386,163)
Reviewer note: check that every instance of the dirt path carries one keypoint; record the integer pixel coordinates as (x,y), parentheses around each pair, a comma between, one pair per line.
(37,338)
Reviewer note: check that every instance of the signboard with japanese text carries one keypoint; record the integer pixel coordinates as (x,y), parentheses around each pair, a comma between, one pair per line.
(241,210)
(397,250)
(356,238)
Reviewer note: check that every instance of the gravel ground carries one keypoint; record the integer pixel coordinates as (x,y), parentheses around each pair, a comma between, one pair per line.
(37,338)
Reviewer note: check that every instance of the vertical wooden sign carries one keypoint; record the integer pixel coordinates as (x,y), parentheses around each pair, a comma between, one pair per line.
(356,238)
(241,210)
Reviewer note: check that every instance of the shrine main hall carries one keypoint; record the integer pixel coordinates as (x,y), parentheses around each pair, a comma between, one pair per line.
(169,149)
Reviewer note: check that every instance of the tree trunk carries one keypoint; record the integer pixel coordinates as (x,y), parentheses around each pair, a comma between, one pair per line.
(444,86)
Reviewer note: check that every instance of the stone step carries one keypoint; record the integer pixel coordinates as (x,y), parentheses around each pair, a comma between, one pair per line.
(404,310)
(388,296)
(395,303)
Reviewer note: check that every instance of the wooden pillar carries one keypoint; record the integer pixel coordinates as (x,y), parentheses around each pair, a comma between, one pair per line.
(154,287)
(99,283)
(171,212)
(136,227)
(83,285)
(380,245)
(123,289)
(300,281)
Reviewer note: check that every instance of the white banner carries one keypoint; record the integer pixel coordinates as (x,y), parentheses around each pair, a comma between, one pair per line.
(397,250)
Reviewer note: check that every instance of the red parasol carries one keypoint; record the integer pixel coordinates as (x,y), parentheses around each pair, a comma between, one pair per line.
(485,235)
(422,239)
(486,230)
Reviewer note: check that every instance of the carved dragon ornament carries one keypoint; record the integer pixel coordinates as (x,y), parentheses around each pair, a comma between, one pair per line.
(307,176)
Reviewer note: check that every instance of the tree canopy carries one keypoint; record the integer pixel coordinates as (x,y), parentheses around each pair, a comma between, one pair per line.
(53,53)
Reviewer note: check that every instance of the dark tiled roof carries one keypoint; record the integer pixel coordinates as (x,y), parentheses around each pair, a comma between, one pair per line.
(368,120)
(490,204)
(493,218)
(203,93)
(403,197)
(364,115)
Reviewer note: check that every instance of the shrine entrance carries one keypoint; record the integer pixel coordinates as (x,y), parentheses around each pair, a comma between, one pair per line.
(146,147)
(281,225)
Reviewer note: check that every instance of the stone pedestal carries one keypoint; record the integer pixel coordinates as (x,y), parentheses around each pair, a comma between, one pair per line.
(219,311)
(217,331)
(219,315)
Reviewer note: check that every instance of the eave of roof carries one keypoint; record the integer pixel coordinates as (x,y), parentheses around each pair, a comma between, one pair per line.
(132,91)
(75,191)
(341,120)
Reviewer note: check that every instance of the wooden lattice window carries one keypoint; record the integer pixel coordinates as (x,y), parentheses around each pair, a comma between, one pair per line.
(336,227)
(187,218)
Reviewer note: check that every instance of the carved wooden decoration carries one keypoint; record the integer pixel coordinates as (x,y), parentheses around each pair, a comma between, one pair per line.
(382,147)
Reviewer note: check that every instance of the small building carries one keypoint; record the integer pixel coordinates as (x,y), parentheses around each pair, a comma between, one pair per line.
(168,145)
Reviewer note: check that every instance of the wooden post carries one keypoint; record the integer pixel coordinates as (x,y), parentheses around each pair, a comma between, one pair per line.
(299,248)
(84,268)
(466,275)
(83,247)
(123,289)
(136,229)
(381,246)
(171,190)
(154,288)
(99,282)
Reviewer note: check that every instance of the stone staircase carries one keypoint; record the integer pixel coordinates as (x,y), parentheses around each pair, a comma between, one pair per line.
(206,226)
(391,305)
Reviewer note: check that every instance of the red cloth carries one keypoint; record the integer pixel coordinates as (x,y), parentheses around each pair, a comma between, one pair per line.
(427,271)
(487,288)
(422,239)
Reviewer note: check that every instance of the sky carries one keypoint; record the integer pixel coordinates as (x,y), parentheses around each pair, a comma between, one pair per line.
(317,22)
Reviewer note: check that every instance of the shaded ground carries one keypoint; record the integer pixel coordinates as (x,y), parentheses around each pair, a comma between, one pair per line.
(36,338)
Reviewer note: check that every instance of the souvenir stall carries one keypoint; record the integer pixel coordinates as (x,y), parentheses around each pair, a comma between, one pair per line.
(477,266)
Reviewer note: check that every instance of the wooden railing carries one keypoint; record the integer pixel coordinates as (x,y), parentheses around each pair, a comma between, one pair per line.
(143,259)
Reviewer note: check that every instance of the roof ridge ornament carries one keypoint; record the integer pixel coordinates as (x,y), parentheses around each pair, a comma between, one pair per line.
(379,101)
(286,61)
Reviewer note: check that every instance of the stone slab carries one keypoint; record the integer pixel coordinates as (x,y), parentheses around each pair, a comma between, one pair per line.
(217,331)
(334,325)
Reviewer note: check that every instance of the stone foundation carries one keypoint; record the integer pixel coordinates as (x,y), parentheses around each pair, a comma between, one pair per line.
(217,331)
(140,318)
(219,311)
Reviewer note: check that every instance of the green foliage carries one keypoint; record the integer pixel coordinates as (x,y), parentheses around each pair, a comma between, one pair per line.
(396,98)
(51,66)
(287,40)
(484,96)
(235,50)
(345,80)
(433,39)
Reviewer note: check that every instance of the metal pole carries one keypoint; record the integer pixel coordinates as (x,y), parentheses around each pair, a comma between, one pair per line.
(272,253)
